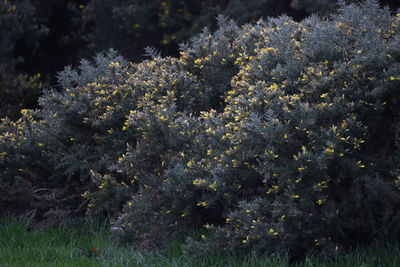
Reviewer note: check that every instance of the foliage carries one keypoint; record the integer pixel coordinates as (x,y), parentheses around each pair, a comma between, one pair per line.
(133,25)
(19,31)
(266,137)
(18,28)
(41,37)
(292,157)
(28,178)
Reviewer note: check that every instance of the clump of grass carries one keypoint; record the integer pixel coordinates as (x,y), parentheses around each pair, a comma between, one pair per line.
(88,243)
(57,246)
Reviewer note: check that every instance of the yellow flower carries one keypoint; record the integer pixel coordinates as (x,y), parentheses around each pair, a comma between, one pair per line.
(274,86)
(114,64)
(163,118)
(202,204)
(198,182)
(246,240)
(323,96)
(235,163)
(302,168)
(213,186)
(272,190)
(329,151)
(269,191)
(272,231)
(227,135)
(210,131)
(190,163)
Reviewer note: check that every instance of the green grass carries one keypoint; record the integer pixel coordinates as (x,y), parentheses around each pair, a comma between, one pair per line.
(71,246)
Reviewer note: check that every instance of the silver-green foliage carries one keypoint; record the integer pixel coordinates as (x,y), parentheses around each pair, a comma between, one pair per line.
(267,136)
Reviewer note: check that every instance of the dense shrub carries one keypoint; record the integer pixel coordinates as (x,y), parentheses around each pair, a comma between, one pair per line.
(290,154)
(19,30)
(266,137)
(53,149)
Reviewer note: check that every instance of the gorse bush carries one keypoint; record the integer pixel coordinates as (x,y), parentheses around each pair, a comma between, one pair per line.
(55,148)
(275,136)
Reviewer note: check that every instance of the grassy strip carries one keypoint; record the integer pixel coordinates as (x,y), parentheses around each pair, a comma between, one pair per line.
(90,245)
